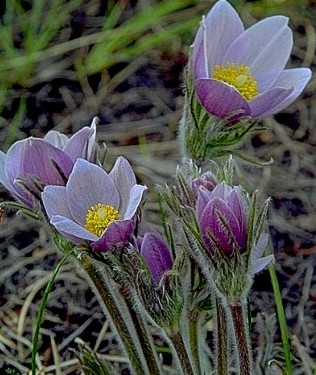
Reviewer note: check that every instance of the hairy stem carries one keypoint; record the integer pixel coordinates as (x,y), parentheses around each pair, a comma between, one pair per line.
(244,356)
(145,339)
(194,339)
(221,344)
(181,351)
(118,313)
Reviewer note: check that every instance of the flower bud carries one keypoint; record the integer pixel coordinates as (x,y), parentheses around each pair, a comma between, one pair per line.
(223,219)
(157,255)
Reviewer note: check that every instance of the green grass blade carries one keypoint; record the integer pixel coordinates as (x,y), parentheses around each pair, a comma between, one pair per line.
(281,319)
(40,314)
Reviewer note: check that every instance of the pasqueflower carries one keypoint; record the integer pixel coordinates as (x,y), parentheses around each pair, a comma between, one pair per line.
(38,162)
(223,219)
(95,206)
(241,73)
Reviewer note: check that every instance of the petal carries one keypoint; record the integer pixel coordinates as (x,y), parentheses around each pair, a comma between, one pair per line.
(92,144)
(17,190)
(226,235)
(77,146)
(268,103)
(3,178)
(87,186)
(135,198)
(55,201)
(71,230)
(261,245)
(202,200)
(32,157)
(236,202)
(294,80)
(220,99)
(222,190)
(157,255)
(117,234)
(218,30)
(199,58)
(56,139)
(124,179)
(265,47)
(261,263)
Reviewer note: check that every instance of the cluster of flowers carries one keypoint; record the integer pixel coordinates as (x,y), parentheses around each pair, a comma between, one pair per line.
(89,206)
(235,76)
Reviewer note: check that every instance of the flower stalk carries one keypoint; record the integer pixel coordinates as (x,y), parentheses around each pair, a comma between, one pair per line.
(177,341)
(194,337)
(145,339)
(221,340)
(128,326)
(243,349)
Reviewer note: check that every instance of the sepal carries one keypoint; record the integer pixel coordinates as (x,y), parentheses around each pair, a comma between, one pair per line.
(90,362)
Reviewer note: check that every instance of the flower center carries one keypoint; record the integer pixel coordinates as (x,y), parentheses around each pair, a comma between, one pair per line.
(99,217)
(238,76)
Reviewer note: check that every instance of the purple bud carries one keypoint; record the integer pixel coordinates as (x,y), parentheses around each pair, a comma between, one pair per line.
(223,220)
(156,254)
(206,182)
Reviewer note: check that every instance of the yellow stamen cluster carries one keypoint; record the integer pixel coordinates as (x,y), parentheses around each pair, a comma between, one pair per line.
(99,216)
(238,76)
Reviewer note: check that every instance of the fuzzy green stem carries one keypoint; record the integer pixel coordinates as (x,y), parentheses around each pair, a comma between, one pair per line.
(194,339)
(145,339)
(244,356)
(221,345)
(120,317)
(181,351)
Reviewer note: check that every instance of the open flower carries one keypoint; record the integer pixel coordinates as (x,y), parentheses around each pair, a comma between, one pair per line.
(95,206)
(48,161)
(240,73)
(156,254)
(223,220)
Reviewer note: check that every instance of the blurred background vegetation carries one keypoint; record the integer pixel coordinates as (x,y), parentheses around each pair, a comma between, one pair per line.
(64,62)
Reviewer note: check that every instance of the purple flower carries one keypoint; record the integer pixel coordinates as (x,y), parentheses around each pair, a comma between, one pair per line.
(156,254)
(223,219)
(95,206)
(240,73)
(48,161)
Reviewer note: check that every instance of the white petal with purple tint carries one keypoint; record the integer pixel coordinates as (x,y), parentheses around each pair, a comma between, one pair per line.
(87,186)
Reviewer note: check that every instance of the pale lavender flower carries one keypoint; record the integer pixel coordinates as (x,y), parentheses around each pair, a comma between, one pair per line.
(240,73)
(156,254)
(95,206)
(39,162)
